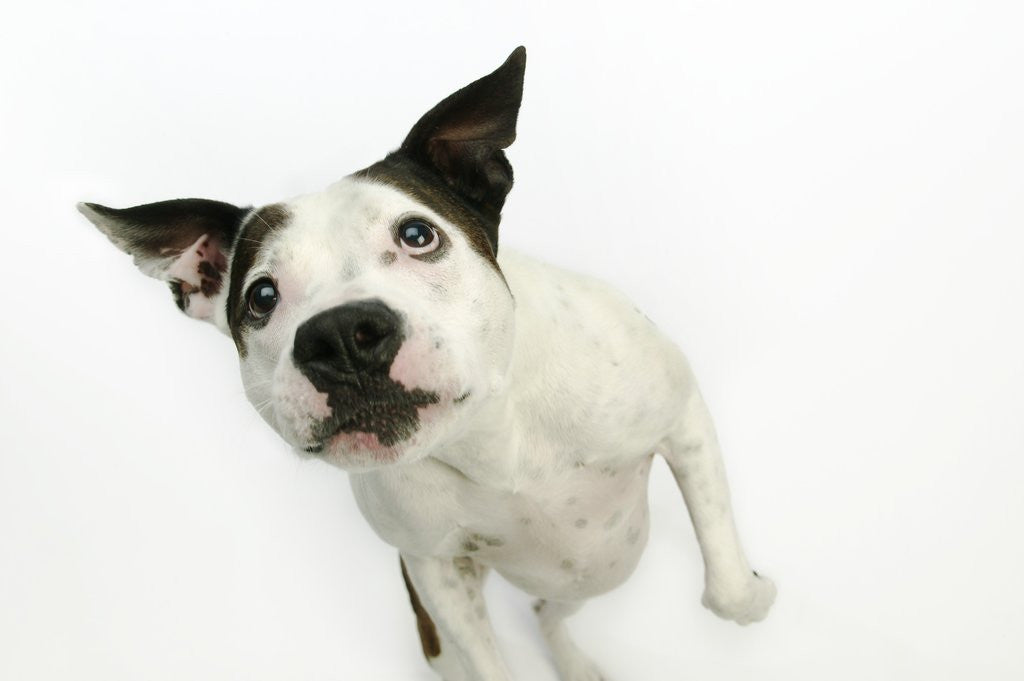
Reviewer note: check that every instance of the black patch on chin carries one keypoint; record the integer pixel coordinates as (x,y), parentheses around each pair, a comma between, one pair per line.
(371,403)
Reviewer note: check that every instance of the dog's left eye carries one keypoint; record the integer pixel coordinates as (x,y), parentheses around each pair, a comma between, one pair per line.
(418,237)
(262,298)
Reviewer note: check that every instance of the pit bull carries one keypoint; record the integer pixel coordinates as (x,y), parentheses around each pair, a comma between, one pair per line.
(492,411)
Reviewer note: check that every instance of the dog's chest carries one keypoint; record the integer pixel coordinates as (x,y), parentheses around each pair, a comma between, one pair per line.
(572,534)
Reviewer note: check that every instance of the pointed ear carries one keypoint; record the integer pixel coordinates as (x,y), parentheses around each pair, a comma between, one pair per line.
(185,242)
(462,137)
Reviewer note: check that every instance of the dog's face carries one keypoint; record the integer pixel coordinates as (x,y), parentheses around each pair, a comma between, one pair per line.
(371,318)
(367,324)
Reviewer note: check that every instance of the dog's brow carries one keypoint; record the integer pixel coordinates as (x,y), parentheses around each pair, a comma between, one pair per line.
(249,243)
(405,176)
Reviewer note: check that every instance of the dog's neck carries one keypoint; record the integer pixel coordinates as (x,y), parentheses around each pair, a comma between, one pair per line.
(486,449)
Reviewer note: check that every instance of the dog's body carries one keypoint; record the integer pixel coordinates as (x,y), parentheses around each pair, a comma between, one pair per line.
(493,412)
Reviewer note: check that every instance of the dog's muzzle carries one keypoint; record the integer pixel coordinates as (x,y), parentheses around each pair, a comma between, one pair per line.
(346,352)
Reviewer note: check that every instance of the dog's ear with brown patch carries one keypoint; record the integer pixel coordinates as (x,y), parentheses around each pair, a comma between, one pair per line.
(185,242)
(462,138)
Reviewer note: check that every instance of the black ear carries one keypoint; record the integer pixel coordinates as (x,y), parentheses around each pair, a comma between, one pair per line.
(185,242)
(462,137)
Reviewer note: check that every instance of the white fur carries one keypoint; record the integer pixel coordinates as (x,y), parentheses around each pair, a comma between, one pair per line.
(541,472)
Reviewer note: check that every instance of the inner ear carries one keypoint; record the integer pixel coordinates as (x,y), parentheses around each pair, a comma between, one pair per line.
(198,269)
(185,242)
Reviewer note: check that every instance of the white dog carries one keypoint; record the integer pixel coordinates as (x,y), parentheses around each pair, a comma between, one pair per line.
(493,411)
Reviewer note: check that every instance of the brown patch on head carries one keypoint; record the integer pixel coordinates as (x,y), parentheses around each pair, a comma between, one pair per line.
(255,231)
(429,639)
(460,143)
(388,257)
(428,188)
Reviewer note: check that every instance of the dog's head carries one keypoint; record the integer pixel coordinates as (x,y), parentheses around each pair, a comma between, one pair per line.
(370,318)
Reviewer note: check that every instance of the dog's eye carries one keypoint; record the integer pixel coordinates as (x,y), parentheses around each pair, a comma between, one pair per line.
(418,237)
(262,298)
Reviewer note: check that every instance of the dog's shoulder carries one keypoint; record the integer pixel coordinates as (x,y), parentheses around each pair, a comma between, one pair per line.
(585,355)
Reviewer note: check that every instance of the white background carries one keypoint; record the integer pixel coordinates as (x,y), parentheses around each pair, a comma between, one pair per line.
(820,201)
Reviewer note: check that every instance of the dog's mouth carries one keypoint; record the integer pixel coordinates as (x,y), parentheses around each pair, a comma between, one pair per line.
(372,405)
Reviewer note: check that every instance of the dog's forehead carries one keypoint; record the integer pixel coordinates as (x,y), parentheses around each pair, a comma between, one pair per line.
(345,222)
(349,214)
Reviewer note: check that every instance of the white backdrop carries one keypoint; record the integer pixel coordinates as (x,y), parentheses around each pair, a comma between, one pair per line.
(820,201)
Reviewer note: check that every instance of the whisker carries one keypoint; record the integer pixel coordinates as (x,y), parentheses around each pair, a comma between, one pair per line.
(260,218)
(261,407)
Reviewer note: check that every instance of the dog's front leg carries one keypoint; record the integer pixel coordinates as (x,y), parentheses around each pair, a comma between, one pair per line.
(450,591)
(732,590)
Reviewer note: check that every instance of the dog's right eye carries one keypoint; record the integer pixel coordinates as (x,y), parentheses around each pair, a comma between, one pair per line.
(263,298)
(418,237)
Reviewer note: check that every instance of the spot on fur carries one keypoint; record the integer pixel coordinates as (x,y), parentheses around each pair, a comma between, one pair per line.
(613,521)
(488,540)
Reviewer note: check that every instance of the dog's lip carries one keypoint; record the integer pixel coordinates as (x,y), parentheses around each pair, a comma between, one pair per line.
(364,439)
(325,440)
(320,445)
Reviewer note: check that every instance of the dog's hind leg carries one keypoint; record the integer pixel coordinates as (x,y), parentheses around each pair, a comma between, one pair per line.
(447,597)
(732,590)
(571,663)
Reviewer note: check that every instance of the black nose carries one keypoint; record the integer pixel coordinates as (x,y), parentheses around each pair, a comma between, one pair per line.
(361,337)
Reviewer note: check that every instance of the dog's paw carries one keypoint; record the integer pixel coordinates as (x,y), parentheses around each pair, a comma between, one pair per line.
(743,603)
(572,664)
(581,669)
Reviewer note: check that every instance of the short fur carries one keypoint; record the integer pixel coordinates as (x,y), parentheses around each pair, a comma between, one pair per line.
(505,414)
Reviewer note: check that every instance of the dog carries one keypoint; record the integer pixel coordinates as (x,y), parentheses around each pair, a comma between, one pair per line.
(493,412)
